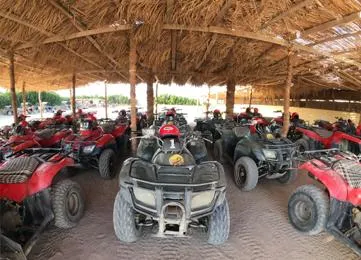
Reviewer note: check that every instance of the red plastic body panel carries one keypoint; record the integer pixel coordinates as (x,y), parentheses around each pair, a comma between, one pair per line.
(119,130)
(335,138)
(105,140)
(336,185)
(55,139)
(41,179)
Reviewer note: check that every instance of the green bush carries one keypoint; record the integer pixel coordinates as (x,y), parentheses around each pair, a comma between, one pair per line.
(175,100)
(119,100)
(52,98)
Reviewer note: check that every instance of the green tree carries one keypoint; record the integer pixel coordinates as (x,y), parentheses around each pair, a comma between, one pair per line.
(175,100)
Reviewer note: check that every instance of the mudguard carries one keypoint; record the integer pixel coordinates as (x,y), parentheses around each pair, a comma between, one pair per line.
(246,147)
(41,179)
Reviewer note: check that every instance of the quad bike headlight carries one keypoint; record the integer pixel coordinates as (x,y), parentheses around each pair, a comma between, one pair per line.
(88,149)
(270,154)
(202,199)
(145,196)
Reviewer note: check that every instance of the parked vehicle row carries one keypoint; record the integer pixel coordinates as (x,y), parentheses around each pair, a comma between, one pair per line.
(170,186)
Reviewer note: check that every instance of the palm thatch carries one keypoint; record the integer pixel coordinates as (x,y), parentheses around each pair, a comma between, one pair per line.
(199,42)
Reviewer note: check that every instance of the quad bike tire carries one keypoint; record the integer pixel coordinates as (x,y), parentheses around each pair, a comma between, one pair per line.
(107,164)
(68,203)
(290,176)
(246,166)
(124,220)
(218,151)
(219,223)
(303,144)
(308,209)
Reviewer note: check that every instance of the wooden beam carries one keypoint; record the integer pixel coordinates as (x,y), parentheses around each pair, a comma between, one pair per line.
(85,33)
(150,98)
(173,35)
(218,19)
(47,33)
(82,27)
(288,12)
(12,87)
(328,25)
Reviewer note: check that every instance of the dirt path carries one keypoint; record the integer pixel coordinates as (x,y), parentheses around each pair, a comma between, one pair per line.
(259,230)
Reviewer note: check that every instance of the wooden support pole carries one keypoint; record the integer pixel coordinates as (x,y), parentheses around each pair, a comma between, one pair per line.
(12,87)
(156,98)
(73,104)
(133,82)
(105,99)
(250,97)
(231,86)
(208,102)
(286,99)
(40,104)
(24,98)
(150,98)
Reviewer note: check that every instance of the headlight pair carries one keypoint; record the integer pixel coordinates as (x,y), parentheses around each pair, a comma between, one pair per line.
(199,199)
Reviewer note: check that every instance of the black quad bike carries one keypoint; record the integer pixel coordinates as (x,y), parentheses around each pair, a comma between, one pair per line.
(256,155)
(209,128)
(166,188)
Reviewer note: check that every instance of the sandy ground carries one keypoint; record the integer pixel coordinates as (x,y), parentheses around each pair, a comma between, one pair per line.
(259,230)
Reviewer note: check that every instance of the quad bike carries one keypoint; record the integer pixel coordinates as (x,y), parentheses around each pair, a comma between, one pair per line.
(92,147)
(165,188)
(208,127)
(142,121)
(256,153)
(342,125)
(315,138)
(23,137)
(35,191)
(336,205)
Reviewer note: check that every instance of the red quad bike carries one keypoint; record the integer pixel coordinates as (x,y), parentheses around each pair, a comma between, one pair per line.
(336,207)
(35,191)
(94,147)
(313,138)
(24,138)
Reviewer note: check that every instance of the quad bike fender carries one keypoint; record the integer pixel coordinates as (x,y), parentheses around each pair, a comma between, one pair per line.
(26,144)
(334,183)
(105,140)
(337,137)
(41,179)
(250,149)
(310,134)
(119,130)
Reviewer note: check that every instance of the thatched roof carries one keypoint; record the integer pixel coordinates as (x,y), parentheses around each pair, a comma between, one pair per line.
(199,41)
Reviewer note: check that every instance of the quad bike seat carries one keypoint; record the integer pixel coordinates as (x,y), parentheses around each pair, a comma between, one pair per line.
(108,128)
(18,170)
(46,133)
(350,171)
(241,131)
(323,132)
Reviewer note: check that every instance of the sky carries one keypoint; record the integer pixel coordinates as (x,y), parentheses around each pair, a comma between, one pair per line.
(97,88)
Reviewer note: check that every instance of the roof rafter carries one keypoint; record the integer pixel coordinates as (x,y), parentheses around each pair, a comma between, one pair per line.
(81,27)
(216,21)
(173,34)
(286,13)
(335,38)
(328,25)
(47,33)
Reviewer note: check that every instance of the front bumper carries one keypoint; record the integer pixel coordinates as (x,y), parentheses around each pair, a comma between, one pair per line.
(173,204)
